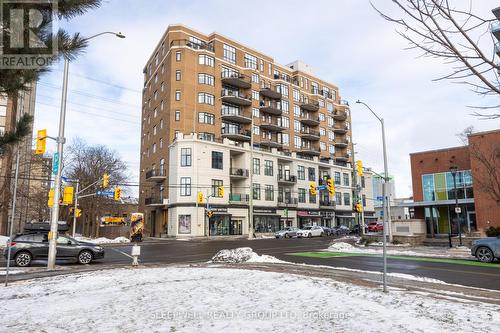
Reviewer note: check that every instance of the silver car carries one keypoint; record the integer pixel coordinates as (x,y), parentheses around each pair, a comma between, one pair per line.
(288,232)
(486,249)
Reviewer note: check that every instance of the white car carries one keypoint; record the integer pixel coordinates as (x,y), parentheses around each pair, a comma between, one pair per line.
(310,231)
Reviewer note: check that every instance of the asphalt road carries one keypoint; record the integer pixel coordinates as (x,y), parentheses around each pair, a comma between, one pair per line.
(175,251)
(195,251)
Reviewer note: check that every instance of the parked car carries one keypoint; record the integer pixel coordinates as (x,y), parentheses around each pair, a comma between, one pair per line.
(328,231)
(341,230)
(35,246)
(375,226)
(310,231)
(355,229)
(288,232)
(486,249)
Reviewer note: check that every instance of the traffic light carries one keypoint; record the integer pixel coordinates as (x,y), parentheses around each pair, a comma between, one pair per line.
(358,207)
(41,140)
(359,164)
(118,194)
(330,186)
(78,212)
(50,203)
(210,213)
(200,197)
(68,195)
(105,180)
(220,191)
(312,189)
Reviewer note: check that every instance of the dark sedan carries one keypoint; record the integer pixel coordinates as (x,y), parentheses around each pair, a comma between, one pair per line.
(28,247)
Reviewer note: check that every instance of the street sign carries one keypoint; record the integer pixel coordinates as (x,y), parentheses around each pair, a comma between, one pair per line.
(380,198)
(458,210)
(321,187)
(105,193)
(55,163)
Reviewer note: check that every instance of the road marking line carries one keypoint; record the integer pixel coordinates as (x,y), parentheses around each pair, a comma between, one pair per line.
(125,254)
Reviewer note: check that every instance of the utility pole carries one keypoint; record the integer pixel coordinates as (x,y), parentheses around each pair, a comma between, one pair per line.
(13,213)
(356,191)
(76,206)
(250,199)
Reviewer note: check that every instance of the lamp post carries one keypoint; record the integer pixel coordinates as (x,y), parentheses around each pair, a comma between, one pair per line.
(453,170)
(60,145)
(387,205)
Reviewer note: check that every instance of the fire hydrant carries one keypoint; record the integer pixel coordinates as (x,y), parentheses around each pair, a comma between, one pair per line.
(136,252)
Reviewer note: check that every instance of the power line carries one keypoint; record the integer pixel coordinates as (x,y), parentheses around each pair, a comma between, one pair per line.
(103,82)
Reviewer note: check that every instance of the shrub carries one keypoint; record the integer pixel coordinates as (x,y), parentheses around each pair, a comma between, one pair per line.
(396,242)
(493,232)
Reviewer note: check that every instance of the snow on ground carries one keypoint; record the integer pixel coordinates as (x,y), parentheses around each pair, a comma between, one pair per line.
(413,251)
(185,299)
(103,240)
(3,241)
(243,254)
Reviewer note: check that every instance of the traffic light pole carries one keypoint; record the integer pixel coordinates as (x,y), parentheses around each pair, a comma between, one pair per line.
(76,206)
(13,213)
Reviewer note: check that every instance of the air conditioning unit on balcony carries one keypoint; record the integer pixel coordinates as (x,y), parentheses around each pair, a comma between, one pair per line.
(166,201)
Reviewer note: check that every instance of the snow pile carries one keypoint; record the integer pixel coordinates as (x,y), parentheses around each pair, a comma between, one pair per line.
(242,254)
(341,247)
(3,241)
(184,299)
(103,240)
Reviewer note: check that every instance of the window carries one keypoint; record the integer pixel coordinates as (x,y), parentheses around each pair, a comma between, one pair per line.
(296,110)
(154,130)
(285,138)
(331,136)
(314,88)
(363,198)
(177,95)
(283,89)
(229,53)
(312,198)
(296,126)
(217,160)
(250,61)
(256,191)
(206,136)
(269,192)
(255,112)
(185,186)
(161,143)
(206,118)
(301,172)
(311,172)
(184,224)
(206,79)
(322,131)
(345,179)
(302,195)
(338,198)
(256,130)
(161,120)
(204,98)
(284,106)
(215,184)
(256,166)
(296,95)
(154,148)
(329,107)
(177,117)
(255,95)
(162,86)
(297,141)
(255,77)
(363,181)
(177,75)
(268,168)
(337,178)
(330,121)
(347,199)
(322,146)
(185,157)
(285,122)
(161,105)
(206,60)
(178,56)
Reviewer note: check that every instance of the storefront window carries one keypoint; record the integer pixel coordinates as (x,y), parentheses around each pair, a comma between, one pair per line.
(267,223)
(219,225)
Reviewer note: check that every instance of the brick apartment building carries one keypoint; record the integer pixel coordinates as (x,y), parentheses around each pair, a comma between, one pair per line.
(213,90)
(478,185)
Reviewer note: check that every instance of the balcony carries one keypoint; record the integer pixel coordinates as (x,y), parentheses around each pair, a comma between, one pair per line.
(342,157)
(310,105)
(236,80)
(340,115)
(309,134)
(270,92)
(193,45)
(238,173)
(235,134)
(340,129)
(495,29)
(271,125)
(309,120)
(155,201)
(235,198)
(233,97)
(287,180)
(271,143)
(288,202)
(156,175)
(341,143)
(328,204)
(236,115)
(272,108)
(310,151)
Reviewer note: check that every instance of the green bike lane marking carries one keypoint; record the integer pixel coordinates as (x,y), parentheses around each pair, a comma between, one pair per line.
(322,254)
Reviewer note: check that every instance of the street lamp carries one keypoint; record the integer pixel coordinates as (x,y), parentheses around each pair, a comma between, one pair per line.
(453,170)
(60,145)
(387,212)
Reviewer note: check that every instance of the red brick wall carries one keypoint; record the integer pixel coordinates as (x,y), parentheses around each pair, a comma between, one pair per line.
(486,145)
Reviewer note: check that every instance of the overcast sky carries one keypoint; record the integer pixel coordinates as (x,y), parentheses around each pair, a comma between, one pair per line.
(346,42)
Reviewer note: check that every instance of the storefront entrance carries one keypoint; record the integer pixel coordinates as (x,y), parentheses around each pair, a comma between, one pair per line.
(267,223)
(219,225)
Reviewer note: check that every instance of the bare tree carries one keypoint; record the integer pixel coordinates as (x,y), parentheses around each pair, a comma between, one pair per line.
(458,36)
(485,161)
(88,164)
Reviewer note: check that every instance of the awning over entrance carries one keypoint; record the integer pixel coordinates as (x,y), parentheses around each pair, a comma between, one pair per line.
(436,203)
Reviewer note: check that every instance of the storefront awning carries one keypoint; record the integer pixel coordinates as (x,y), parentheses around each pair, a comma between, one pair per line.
(435,203)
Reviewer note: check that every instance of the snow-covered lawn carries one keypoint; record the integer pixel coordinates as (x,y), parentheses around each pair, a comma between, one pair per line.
(420,251)
(187,299)
(103,240)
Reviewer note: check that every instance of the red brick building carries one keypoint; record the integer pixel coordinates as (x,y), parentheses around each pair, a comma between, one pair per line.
(477,185)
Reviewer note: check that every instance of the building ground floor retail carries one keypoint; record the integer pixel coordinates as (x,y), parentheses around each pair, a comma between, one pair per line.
(192,221)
